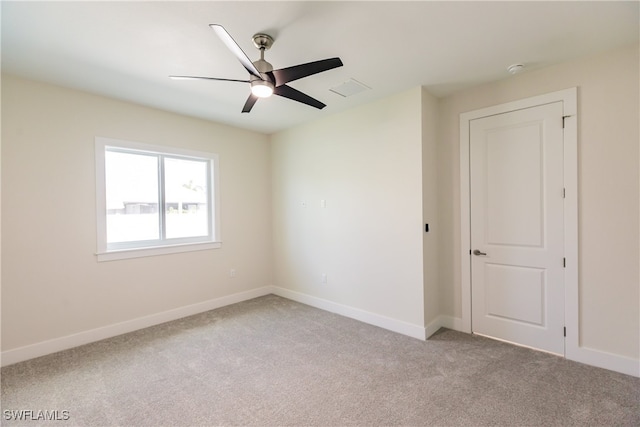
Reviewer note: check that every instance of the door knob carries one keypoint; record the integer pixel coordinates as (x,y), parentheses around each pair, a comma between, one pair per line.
(477,252)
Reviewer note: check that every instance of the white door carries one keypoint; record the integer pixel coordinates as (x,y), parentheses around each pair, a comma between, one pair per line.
(517,277)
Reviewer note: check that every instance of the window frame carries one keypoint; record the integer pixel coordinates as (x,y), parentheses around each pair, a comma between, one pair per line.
(161,246)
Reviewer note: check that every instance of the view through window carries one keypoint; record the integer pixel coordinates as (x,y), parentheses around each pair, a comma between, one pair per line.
(154,198)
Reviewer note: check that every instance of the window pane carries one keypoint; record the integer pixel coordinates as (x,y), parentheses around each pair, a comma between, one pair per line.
(132,197)
(186,198)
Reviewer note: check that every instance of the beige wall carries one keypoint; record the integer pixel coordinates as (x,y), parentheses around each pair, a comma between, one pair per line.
(430,112)
(366,164)
(383,169)
(52,285)
(608,163)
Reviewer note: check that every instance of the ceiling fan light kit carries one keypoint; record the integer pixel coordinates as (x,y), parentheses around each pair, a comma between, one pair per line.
(264,80)
(262,88)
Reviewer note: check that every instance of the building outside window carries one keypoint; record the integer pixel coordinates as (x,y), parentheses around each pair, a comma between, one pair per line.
(154,200)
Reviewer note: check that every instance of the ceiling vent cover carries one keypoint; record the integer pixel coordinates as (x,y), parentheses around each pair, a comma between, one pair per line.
(349,88)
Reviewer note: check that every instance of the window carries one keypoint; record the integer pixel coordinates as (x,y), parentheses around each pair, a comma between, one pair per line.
(154,200)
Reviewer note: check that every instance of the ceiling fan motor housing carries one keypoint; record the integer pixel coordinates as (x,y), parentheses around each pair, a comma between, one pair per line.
(262,42)
(262,66)
(264,85)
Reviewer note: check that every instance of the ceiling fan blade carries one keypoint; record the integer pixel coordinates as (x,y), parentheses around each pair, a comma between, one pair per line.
(250,103)
(289,74)
(235,49)
(206,78)
(296,95)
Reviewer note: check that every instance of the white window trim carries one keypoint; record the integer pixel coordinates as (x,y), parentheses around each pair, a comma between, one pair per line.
(103,252)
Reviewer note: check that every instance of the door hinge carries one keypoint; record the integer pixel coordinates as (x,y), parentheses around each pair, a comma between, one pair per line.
(564,193)
(564,262)
(565,331)
(564,118)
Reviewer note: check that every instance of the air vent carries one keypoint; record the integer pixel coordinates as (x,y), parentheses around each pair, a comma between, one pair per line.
(349,88)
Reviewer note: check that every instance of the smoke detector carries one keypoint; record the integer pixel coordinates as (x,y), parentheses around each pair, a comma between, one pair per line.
(515,68)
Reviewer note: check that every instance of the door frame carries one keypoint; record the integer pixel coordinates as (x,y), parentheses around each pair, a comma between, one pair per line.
(569,99)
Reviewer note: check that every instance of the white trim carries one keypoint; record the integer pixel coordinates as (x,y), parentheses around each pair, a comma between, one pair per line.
(404,328)
(573,349)
(432,327)
(161,247)
(154,251)
(152,148)
(20,354)
(569,100)
(571,289)
(443,321)
(588,356)
(602,359)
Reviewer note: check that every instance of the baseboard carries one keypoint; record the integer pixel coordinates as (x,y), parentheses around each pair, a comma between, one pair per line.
(602,359)
(588,356)
(384,322)
(432,327)
(20,354)
(443,321)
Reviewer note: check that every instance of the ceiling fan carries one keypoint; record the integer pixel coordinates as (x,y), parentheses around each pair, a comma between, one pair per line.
(264,80)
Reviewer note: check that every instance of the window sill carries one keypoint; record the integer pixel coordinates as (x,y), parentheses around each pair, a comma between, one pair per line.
(156,250)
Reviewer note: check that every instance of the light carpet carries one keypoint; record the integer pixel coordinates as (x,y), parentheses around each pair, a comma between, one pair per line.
(274,362)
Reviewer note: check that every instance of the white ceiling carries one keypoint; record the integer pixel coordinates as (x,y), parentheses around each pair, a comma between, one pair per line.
(127,50)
